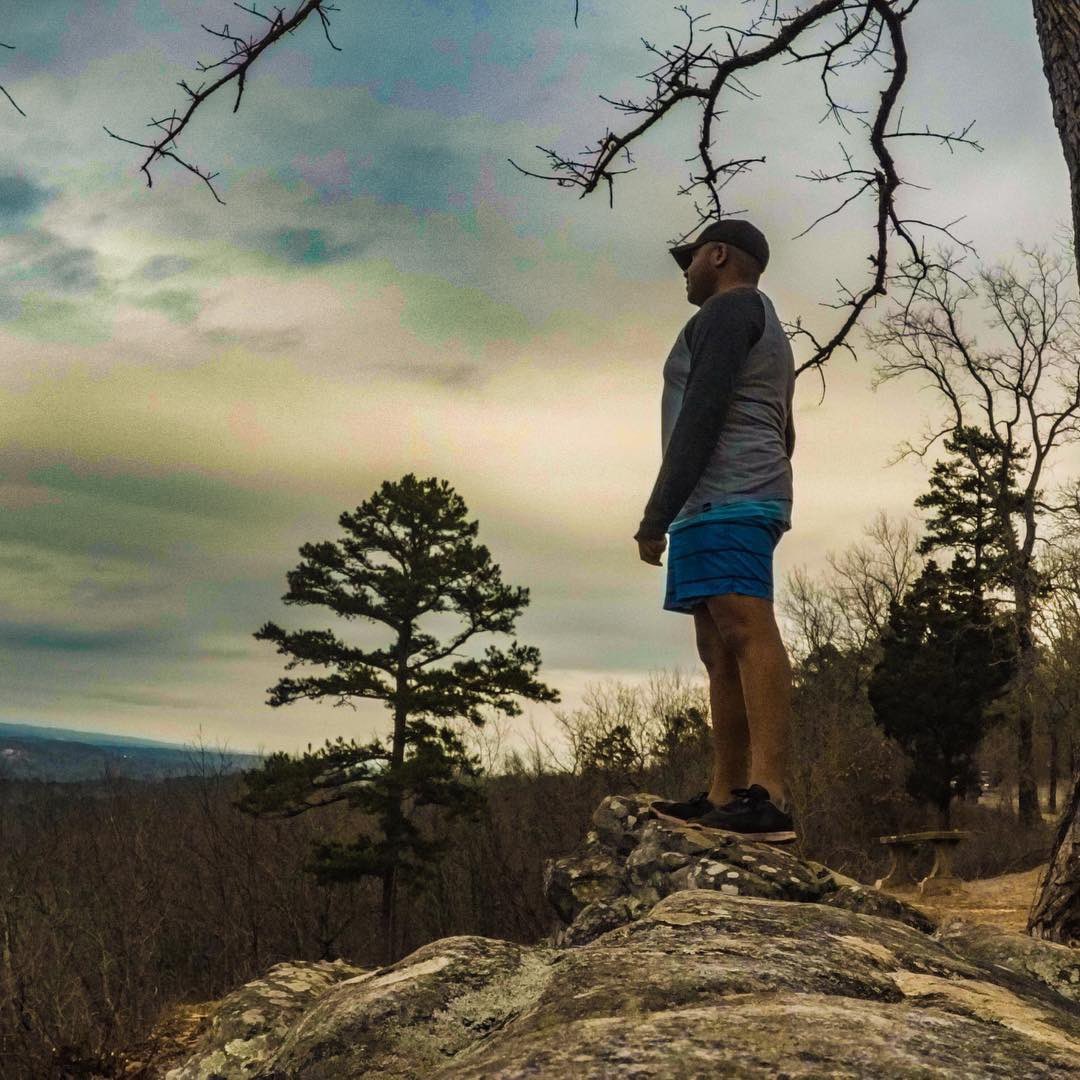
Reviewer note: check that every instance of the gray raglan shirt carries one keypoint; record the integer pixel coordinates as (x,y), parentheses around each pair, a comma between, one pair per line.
(726,412)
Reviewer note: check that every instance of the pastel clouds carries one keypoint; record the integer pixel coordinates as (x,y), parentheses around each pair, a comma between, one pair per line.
(330,174)
(190,391)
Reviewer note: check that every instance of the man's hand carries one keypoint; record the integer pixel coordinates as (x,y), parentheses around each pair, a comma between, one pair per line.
(651,550)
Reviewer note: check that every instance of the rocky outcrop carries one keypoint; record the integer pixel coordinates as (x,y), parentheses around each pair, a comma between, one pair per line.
(712,984)
(682,953)
(249,1026)
(632,857)
(410,1018)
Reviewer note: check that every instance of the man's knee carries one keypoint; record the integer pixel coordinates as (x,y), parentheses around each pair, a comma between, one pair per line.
(739,619)
(711,647)
(718,660)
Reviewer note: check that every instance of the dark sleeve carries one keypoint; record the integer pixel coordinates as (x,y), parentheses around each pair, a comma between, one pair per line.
(724,331)
(789,434)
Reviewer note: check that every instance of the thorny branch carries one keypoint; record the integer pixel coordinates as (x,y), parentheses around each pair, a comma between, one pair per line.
(708,67)
(245,51)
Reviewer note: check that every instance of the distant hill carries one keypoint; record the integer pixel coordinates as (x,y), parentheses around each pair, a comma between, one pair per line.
(98,738)
(33,752)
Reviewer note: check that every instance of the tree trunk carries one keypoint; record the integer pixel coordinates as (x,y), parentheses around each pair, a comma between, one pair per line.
(388,927)
(395,813)
(1027,792)
(1057,23)
(1055,915)
(1051,798)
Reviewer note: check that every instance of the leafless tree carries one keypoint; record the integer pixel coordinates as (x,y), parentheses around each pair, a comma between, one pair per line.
(848,607)
(847,776)
(620,729)
(1021,387)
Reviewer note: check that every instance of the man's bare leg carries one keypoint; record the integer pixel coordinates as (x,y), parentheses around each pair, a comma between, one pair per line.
(747,626)
(730,734)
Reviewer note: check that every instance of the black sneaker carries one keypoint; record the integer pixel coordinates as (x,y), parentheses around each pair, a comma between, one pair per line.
(688,810)
(753,814)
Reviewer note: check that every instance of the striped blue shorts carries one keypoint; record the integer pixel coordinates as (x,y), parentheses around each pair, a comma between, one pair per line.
(723,549)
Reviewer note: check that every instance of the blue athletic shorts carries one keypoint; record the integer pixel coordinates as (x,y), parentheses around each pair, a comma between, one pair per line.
(724,549)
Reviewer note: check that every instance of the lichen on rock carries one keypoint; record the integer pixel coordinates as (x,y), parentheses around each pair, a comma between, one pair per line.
(1055,966)
(421,1011)
(632,858)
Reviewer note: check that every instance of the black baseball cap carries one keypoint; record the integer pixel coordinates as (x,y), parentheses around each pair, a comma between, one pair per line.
(734,231)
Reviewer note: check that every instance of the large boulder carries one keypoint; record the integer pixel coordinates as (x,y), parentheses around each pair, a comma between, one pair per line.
(712,984)
(706,983)
(688,953)
(410,1018)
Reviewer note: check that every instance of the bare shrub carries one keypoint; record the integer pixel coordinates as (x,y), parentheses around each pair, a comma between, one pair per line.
(998,843)
(634,735)
(121,897)
(847,780)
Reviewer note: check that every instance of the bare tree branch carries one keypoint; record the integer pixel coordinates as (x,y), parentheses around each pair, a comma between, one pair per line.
(4,45)
(848,607)
(709,65)
(245,51)
(707,68)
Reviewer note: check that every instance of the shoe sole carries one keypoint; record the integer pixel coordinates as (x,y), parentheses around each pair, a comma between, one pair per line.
(784,836)
(672,818)
(772,837)
(781,836)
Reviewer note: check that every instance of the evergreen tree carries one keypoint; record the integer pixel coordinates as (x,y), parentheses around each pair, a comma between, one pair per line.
(409,552)
(965,489)
(946,655)
(682,730)
(945,658)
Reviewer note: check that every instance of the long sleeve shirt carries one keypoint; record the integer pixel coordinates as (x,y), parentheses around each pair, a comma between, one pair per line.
(726,426)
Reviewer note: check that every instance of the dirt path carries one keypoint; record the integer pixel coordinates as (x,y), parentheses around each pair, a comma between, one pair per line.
(1003,901)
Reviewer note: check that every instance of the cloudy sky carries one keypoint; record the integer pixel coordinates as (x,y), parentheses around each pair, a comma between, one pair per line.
(191,391)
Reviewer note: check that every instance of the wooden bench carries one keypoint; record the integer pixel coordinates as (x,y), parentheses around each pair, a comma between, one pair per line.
(941,878)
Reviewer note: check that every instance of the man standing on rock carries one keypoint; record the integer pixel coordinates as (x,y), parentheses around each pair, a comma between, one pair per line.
(724,496)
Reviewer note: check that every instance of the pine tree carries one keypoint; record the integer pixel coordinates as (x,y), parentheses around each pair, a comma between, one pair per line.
(964,496)
(946,654)
(408,552)
(945,658)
